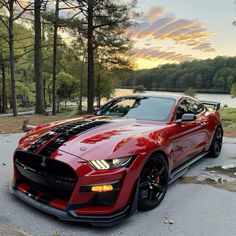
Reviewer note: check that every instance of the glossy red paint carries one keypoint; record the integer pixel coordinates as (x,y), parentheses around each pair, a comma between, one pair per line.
(178,142)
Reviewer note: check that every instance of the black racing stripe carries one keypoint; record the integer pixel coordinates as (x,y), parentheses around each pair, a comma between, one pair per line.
(68,132)
(66,127)
(41,141)
(45,199)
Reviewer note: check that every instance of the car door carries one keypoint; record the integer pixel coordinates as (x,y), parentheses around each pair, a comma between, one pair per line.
(202,121)
(190,137)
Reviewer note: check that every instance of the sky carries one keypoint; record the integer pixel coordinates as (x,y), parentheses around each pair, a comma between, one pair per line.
(174,31)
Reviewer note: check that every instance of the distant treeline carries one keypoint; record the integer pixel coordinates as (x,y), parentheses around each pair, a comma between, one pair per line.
(212,75)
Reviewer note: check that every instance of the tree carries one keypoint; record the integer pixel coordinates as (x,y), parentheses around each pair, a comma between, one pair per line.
(212,75)
(233,90)
(95,20)
(57,22)
(39,86)
(230,81)
(54,66)
(8,18)
(190,92)
(111,58)
(3,73)
(67,85)
(139,88)
(218,81)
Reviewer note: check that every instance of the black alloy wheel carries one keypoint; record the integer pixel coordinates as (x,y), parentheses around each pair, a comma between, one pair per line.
(153,183)
(216,144)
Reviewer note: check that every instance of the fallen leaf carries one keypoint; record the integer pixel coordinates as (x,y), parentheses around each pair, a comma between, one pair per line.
(168,221)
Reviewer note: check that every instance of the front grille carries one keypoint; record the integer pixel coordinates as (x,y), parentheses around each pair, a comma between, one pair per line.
(46,175)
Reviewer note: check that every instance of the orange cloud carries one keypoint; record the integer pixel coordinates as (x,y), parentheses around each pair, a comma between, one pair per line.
(156,54)
(156,25)
(155,12)
(153,27)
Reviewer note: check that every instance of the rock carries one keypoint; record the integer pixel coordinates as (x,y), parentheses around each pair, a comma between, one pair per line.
(168,221)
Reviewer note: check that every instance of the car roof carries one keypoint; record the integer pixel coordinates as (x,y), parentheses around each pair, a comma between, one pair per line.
(174,96)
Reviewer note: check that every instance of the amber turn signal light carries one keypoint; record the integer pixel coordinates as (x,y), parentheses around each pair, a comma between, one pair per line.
(102,188)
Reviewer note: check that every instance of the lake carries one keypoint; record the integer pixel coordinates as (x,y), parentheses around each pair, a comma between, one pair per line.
(224,99)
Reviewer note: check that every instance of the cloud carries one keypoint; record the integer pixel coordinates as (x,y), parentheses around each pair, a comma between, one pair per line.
(148,31)
(158,25)
(204,46)
(155,12)
(155,54)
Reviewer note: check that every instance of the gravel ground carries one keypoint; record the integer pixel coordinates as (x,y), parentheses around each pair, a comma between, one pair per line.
(188,209)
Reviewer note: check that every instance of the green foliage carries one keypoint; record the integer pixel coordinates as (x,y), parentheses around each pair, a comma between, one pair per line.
(67,85)
(228,118)
(190,92)
(211,75)
(139,89)
(233,90)
(25,92)
(107,84)
(110,43)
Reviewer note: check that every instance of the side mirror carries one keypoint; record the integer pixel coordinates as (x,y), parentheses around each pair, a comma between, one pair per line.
(187,118)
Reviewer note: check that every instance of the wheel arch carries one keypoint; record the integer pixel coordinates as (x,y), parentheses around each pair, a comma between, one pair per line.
(163,154)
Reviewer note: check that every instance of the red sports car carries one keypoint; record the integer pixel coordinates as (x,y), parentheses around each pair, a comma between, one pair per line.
(103,167)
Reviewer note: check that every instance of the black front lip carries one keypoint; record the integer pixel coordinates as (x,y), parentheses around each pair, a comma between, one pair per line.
(71,216)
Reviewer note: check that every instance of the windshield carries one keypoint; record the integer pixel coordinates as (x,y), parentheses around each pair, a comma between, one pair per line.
(144,108)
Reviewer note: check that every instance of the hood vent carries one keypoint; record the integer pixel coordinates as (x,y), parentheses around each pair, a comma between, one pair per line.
(59,135)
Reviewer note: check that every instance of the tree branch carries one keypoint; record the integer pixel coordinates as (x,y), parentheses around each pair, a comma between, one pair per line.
(24,9)
(4,22)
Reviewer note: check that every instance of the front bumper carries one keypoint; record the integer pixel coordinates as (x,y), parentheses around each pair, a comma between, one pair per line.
(71,216)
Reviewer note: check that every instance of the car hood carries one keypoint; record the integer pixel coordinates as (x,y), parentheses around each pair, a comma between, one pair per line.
(103,138)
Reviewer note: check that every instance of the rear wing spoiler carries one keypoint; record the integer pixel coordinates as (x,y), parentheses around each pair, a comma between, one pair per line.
(215,105)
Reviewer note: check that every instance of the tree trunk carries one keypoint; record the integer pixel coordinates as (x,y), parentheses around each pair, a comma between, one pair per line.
(39,106)
(44,77)
(81,84)
(58,106)
(0,104)
(44,92)
(90,52)
(4,95)
(49,94)
(11,55)
(99,87)
(54,66)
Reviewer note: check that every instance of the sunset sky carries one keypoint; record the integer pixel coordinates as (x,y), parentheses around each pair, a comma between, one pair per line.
(169,31)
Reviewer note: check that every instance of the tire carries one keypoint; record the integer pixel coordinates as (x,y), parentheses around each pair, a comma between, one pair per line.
(216,144)
(153,183)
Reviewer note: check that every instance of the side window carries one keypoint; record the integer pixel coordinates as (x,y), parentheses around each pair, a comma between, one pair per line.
(195,107)
(188,106)
(120,108)
(182,109)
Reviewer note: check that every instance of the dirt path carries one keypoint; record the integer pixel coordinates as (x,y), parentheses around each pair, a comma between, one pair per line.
(10,230)
(10,125)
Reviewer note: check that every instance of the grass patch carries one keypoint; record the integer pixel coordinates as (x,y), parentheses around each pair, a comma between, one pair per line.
(228,117)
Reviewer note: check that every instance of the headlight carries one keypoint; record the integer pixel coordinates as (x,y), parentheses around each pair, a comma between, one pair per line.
(111,164)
